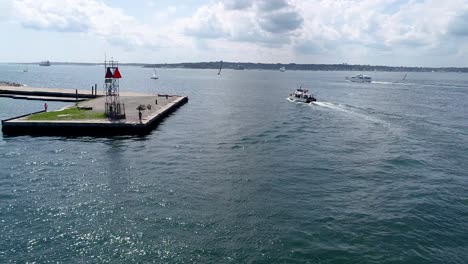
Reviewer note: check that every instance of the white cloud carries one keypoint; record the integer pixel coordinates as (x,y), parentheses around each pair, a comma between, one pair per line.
(459,25)
(265,30)
(264,22)
(208,24)
(375,26)
(237,4)
(5,7)
(86,16)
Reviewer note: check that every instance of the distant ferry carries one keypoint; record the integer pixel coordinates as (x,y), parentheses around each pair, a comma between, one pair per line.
(44,63)
(359,78)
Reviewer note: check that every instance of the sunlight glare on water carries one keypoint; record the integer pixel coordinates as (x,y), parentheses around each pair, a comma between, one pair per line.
(371,173)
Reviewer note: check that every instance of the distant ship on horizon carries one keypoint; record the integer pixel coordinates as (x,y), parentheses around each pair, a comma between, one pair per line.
(44,63)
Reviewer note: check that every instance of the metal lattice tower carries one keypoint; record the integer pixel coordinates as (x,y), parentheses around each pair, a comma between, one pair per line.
(114,108)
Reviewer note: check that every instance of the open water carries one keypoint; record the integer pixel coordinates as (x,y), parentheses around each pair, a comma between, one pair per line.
(372,173)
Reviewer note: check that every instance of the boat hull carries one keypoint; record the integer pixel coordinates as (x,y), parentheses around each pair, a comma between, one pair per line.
(350,79)
(44,63)
(301,100)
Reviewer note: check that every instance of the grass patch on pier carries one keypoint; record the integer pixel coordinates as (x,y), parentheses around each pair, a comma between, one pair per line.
(73,113)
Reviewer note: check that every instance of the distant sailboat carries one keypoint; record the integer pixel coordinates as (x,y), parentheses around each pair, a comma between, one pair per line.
(154,77)
(404,77)
(282,69)
(220,67)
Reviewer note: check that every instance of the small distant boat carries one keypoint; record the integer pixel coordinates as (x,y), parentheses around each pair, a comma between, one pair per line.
(302,96)
(361,78)
(220,68)
(282,69)
(44,63)
(404,77)
(154,77)
(239,68)
(25,70)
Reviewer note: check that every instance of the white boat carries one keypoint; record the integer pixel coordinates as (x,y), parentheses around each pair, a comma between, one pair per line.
(361,78)
(282,69)
(154,77)
(44,63)
(301,96)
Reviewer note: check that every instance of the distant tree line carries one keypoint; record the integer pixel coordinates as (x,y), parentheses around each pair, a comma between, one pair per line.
(288,67)
(302,67)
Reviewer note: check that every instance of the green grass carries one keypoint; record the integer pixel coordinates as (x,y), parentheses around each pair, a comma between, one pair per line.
(68,114)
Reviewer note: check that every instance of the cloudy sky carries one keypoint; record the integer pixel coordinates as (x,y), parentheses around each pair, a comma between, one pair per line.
(384,32)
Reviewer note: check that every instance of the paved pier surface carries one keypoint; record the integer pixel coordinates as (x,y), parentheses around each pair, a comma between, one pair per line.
(50,94)
(131,104)
(53,94)
(160,106)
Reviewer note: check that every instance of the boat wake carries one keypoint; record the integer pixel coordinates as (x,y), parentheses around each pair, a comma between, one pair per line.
(412,84)
(384,82)
(348,109)
(356,112)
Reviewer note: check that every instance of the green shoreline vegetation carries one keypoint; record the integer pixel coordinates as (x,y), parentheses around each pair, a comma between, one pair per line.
(73,113)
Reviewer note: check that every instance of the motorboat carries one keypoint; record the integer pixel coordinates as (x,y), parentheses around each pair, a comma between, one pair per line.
(302,96)
(44,63)
(361,78)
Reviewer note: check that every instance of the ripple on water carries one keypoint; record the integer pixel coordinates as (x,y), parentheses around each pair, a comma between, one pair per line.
(372,174)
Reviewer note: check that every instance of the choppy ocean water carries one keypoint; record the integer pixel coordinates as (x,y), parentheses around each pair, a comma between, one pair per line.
(371,173)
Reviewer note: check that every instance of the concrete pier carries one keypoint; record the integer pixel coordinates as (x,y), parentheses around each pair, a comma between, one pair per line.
(46,94)
(160,107)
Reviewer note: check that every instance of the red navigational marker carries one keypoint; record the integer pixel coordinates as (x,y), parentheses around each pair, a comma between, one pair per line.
(117,73)
(109,73)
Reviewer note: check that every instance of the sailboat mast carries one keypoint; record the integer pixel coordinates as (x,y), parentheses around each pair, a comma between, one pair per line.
(220,67)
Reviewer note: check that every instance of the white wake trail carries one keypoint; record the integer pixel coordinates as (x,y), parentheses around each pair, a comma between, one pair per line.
(345,109)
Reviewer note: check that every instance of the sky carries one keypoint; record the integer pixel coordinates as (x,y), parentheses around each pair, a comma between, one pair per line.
(430,33)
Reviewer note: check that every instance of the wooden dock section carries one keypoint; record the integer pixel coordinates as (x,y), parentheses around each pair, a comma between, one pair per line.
(160,107)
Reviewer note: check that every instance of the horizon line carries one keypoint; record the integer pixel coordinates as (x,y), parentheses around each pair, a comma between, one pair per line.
(240,62)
